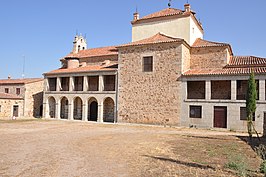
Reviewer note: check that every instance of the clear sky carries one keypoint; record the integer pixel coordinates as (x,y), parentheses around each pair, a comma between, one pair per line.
(43,30)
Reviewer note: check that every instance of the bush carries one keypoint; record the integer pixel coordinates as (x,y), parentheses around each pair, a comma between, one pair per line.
(238,163)
(263,167)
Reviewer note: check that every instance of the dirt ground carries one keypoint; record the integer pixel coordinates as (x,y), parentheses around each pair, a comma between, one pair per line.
(63,148)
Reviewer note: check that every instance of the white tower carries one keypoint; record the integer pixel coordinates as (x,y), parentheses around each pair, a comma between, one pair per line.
(79,44)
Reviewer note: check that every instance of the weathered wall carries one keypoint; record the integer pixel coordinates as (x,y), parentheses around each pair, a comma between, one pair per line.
(6,110)
(33,99)
(150,97)
(12,89)
(208,57)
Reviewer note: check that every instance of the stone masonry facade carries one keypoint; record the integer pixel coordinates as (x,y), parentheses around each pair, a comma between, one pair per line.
(172,77)
(152,98)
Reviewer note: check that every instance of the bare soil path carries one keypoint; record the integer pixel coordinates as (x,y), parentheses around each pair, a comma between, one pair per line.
(63,148)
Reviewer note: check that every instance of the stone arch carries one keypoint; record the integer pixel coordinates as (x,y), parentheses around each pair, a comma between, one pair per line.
(77,111)
(92,109)
(108,110)
(64,103)
(51,107)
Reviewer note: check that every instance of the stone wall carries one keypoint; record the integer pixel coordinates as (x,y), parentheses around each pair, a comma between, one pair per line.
(150,97)
(34,99)
(6,108)
(12,89)
(208,57)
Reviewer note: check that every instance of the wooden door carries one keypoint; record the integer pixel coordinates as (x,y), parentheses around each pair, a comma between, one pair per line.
(15,111)
(220,117)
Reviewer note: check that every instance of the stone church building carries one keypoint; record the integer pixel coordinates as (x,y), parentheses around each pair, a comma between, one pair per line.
(168,75)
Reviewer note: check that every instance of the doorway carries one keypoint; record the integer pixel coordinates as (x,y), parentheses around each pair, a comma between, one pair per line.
(93,111)
(15,110)
(220,117)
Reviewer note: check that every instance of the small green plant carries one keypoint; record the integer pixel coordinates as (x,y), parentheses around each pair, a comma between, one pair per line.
(238,164)
(263,167)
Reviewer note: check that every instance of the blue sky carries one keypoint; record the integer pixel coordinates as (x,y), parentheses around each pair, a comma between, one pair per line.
(43,31)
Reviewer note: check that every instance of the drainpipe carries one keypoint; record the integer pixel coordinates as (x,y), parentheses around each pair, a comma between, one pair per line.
(116,95)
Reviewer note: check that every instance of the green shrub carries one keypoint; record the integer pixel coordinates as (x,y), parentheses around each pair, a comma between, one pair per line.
(263,167)
(238,163)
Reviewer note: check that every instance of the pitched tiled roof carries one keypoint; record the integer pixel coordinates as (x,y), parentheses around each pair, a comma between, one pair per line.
(9,96)
(162,13)
(19,81)
(238,65)
(158,38)
(102,51)
(246,61)
(88,68)
(204,43)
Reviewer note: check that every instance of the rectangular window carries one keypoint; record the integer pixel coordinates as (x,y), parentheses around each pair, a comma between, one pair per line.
(195,111)
(243,114)
(148,64)
(18,91)
(6,90)
(0,108)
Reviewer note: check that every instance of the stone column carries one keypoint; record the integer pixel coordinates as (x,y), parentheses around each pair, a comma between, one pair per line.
(57,110)
(100,113)
(233,90)
(85,111)
(70,111)
(101,83)
(71,83)
(58,84)
(262,90)
(85,84)
(45,110)
(115,114)
(208,90)
(46,85)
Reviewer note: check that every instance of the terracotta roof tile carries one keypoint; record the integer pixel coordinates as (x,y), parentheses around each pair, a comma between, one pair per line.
(158,38)
(9,96)
(88,68)
(238,65)
(19,81)
(162,13)
(246,61)
(102,51)
(204,43)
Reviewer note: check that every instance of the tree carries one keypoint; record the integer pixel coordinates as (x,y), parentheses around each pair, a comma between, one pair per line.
(251,104)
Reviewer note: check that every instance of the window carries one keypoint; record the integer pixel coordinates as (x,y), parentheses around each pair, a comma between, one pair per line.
(6,90)
(195,111)
(243,114)
(148,64)
(18,91)
(0,108)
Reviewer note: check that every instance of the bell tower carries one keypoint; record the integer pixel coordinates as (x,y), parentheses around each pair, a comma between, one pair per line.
(79,44)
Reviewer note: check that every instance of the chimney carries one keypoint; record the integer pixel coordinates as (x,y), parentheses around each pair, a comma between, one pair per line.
(136,16)
(9,77)
(187,8)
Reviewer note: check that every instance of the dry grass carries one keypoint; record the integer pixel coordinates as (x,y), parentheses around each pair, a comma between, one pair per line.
(62,148)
